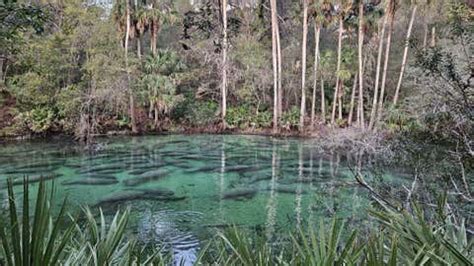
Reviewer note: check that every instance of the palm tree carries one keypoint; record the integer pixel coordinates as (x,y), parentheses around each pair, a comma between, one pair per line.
(303,68)
(140,24)
(391,15)
(377,72)
(327,63)
(320,12)
(342,10)
(158,82)
(156,15)
(405,52)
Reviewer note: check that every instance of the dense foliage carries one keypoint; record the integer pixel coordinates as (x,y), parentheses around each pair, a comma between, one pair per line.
(79,68)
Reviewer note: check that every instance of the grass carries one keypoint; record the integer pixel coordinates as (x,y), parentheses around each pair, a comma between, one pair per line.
(402,238)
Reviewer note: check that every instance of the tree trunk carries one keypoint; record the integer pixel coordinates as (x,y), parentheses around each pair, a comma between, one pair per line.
(303,65)
(323,102)
(131,99)
(338,68)
(317,32)
(377,74)
(351,108)
(433,36)
(405,55)
(391,14)
(139,47)
(156,116)
(224,62)
(425,36)
(361,66)
(275,65)
(340,93)
(279,60)
(154,35)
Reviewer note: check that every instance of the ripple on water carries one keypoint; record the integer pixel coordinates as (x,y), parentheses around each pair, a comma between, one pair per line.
(171,229)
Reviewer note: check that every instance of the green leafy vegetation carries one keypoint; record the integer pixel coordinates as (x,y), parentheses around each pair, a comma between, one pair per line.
(155,65)
(399,238)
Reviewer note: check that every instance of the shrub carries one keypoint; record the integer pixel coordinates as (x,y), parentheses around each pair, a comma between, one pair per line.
(291,118)
(38,120)
(196,113)
(246,117)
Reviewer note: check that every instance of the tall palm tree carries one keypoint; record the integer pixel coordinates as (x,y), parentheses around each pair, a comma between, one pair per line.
(320,12)
(381,36)
(131,98)
(343,8)
(121,16)
(141,23)
(157,14)
(391,15)
(405,52)
(303,67)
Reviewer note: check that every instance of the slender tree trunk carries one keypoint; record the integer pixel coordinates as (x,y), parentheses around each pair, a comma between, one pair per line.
(317,32)
(425,36)
(154,36)
(405,56)
(279,62)
(224,62)
(1,73)
(131,100)
(433,36)
(139,47)
(377,74)
(275,65)
(323,102)
(340,94)
(303,65)
(351,108)
(361,66)
(391,14)
(156,115)
(338,68)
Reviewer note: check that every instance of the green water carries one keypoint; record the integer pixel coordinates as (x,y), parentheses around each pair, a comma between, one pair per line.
(180,187)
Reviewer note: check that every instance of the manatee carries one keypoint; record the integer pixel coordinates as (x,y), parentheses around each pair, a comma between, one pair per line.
(241,168)
(143,169)
(92,181)
(136,195)
(146,177)
(157,191)
(261,178)
(103,168)
(99,176)
(240,194)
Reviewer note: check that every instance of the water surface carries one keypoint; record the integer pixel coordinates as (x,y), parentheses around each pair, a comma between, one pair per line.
(181,187)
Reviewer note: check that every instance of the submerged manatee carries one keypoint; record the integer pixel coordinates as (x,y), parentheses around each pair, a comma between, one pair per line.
(240,194)
(103,168)
(151,194)
(92,181)
(146,177)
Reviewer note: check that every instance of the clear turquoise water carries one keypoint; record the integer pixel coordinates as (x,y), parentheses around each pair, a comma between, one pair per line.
(179,187)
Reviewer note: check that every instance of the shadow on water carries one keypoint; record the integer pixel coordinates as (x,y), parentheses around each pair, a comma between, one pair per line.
(183,187)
